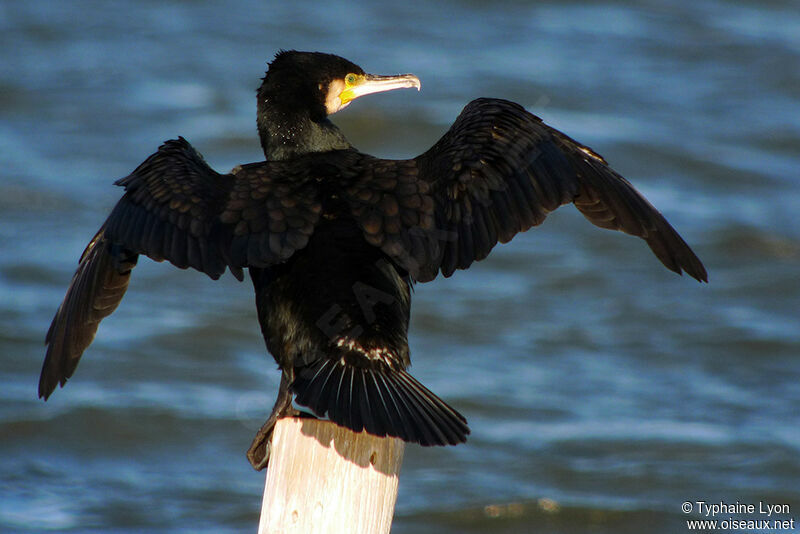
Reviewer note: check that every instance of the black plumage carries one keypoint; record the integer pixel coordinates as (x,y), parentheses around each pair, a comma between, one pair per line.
(334,238)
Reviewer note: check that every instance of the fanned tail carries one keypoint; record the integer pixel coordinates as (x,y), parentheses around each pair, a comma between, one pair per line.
(378,399)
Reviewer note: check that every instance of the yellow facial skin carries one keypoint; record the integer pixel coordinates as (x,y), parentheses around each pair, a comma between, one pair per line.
(351,82)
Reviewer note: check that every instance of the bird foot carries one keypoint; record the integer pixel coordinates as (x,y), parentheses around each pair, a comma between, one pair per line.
(259,450)
(258,453)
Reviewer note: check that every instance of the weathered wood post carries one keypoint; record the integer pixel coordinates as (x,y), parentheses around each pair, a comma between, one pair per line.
(323,478)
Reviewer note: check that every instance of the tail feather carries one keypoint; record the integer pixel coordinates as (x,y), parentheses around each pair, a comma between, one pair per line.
(438,421)
(387,415)
(398,408)
(424,430)
(379,400)
(96,289)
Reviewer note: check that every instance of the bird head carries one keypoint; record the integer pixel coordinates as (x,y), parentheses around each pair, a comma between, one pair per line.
(321,83)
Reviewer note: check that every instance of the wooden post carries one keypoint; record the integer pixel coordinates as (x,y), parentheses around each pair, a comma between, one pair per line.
(323,478)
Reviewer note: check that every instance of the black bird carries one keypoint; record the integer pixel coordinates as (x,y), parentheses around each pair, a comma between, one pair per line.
(333,238)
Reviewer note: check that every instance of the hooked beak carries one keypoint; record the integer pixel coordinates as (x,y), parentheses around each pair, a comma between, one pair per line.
(365,84)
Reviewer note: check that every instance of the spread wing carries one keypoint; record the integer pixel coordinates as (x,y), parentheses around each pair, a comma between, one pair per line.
(95,291)
(177,208)
(500,170)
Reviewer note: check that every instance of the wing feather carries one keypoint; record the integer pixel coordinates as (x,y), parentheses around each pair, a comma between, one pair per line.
(177,208)
(500,170)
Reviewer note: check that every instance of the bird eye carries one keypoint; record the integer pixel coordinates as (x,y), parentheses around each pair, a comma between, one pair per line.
(350,79)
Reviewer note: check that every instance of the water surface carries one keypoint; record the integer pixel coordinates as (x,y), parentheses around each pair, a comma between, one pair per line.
(602,390)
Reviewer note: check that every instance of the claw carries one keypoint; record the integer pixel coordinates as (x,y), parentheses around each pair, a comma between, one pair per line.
(259,450)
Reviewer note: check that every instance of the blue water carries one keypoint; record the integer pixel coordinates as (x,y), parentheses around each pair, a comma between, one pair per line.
(602,390)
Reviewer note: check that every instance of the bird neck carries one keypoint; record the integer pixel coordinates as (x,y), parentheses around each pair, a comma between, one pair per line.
(287,134)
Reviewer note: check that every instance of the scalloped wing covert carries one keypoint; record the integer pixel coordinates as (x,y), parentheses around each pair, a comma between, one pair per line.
(500,170)
(177,208)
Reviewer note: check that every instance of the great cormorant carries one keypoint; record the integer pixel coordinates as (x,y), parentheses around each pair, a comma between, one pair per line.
(333,238)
